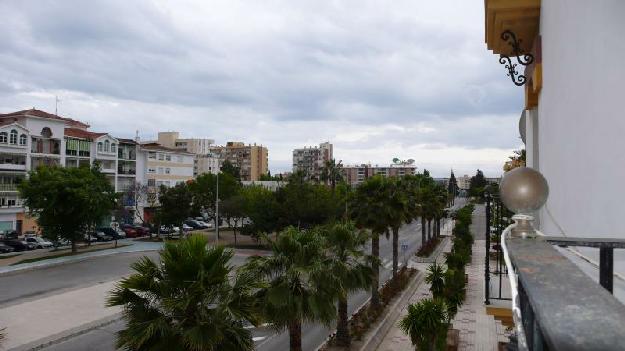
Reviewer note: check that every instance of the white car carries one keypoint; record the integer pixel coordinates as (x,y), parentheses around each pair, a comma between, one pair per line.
(39,243)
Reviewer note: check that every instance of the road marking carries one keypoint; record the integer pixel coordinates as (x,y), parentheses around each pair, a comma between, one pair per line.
(258,338)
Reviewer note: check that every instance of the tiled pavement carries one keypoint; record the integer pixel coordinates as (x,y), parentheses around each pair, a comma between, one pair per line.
(478,331)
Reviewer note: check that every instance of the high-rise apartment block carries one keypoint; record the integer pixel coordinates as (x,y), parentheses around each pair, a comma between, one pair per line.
(252,160)
(354,175)
(310,160)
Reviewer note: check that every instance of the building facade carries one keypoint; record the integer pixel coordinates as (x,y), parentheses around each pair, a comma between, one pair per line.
(356,174)
(252,160)
(165,166)
(205,161)
(572,120)
(311,160)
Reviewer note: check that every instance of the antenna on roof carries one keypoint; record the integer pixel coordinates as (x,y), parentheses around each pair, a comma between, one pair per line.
(137,136)
(56,104)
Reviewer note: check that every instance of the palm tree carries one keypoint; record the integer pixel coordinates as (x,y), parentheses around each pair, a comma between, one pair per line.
(399,213)
(187,301)
(298,284)
(426,324)
(349,265)
(332,173)
(369,209)
(436,279)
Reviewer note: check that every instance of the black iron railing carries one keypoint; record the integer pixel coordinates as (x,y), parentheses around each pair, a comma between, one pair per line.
(497,218)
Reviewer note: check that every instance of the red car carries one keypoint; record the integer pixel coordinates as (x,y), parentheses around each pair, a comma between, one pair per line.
(130,230)
(142,231)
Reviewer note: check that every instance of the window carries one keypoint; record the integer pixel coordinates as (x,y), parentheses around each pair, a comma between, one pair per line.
(151,182)
(100,146)
(167,170)
(180,159)
(3,137)
(168,157)
(13,137)
(161,157)
(46,132)
(151,170)
(152,155)
(23,139)
(160,170)
(113,147)
(106,146)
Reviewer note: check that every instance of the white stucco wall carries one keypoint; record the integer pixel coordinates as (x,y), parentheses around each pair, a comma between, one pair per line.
(581,116)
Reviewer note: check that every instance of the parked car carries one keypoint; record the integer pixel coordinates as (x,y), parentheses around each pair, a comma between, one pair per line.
(39,242)
(19,245)
(115,234)
(206,225)
(129,230)
(142,231)
(100,236)
(6,248)
(90,237)
(185,228)
(193,224)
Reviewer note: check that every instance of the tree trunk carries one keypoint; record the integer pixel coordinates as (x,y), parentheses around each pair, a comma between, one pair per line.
(234,230)
(375,268)
(429,230)
(295,335)
(423,237)
(395,253)
(342,327)
(74,247)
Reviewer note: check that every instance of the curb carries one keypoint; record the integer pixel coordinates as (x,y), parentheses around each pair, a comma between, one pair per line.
(434,256)
(378,334)
(68,334)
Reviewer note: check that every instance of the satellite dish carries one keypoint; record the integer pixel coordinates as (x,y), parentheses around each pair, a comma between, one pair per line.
(522,125)
(410,161)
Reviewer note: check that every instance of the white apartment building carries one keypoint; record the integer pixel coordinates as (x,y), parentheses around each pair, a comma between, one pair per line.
(28,139)
(207,163)
(464,182)
(311,160)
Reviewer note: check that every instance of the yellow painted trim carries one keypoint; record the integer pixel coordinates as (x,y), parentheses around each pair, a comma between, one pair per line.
(537,78)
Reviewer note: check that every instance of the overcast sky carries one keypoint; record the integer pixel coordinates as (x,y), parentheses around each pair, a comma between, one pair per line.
(378,79)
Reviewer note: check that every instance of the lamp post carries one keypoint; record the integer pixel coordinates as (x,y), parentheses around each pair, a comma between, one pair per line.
(217,211)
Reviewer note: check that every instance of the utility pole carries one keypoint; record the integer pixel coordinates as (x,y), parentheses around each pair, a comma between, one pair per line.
(217,211)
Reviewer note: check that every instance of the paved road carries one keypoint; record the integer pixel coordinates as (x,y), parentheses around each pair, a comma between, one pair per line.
(41,282)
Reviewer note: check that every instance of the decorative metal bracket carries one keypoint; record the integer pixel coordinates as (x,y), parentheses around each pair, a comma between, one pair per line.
(521,57)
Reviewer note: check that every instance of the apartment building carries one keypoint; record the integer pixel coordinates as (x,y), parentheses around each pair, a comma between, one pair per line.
(356,174)
(464,182)
(196,146)
(252,160)
(28,139)
(165,166)
(310,160)
(204,160)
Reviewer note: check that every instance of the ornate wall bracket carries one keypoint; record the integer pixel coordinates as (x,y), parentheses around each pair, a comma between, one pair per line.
(522,58)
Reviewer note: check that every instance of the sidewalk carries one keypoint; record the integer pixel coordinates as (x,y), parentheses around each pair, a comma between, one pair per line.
(478,331)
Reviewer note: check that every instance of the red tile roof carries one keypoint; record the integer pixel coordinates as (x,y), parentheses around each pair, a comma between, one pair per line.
(81,133)
(43,114)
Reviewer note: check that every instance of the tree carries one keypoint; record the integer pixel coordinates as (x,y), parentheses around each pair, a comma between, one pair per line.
(299,285)
(477,185)
(204,192)
(228,168)
(369,209)
(67,201)
(349,265)
(175,205)
(138,195)
(452,187)
(426,324)
(436,278)
(261,208)
(233,210)
(332,173)
(398,214)
(305,205)
(516,160)
(190,300)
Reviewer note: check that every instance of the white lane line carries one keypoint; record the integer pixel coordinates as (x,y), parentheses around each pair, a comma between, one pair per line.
(258,338)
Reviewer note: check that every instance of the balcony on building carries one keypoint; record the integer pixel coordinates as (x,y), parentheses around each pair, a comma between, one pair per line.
(46,146)
(127,152)
(9,182)
(106,166)
(12,162)
(37,161)
(126,168)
